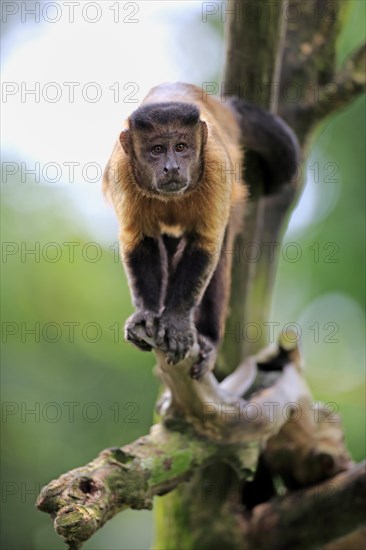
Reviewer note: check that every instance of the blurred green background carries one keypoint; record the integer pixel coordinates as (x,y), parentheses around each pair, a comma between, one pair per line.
(72,386)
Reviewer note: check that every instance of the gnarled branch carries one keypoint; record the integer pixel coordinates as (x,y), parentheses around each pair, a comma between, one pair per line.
(218,424)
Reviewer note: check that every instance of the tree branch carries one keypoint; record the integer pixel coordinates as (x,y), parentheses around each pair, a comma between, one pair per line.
(209,407)
(310,88)
(83,499)
(218,425)
(347,84)
(312,517)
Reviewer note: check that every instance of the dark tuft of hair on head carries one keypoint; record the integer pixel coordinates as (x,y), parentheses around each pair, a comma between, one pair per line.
(149,116)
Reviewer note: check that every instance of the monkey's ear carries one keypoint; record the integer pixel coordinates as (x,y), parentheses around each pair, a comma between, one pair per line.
(204,132)
(126,141)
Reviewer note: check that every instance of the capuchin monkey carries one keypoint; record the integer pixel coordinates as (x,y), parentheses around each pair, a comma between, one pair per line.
(175,181)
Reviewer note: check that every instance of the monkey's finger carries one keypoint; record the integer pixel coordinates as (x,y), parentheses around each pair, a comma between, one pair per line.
(170,358)
(149,326)
(181,351)
(174,355)
(199,369)
(160,336)
(133,339)
(173,345)
(195,371)
(191,339)
(182,347)
(141,345)
(129,330)
(187,352)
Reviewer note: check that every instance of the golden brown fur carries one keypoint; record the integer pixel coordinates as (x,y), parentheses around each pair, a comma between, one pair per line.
(205,210)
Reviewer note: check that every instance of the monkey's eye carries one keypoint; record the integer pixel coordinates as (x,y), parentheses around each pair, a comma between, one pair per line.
(180,147)
(157,150)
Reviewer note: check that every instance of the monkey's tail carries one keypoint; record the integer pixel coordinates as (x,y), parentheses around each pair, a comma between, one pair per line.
(269,137)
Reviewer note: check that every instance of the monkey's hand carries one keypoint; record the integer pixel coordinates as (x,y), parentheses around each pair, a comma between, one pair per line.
(141,319)
(176,335)
(207,357)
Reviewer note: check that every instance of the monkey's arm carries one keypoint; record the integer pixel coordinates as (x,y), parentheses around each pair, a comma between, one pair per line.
(187,283)
(142,257)
(146,270)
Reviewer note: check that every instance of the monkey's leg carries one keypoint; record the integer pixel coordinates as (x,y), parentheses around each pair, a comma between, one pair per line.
(146,269)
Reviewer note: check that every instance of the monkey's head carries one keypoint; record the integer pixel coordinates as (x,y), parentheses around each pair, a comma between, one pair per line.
(165,144)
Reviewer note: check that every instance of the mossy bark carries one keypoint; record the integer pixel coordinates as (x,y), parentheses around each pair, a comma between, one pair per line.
(217,522)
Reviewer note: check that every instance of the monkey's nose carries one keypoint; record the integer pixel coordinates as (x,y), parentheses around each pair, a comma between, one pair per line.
(174,170)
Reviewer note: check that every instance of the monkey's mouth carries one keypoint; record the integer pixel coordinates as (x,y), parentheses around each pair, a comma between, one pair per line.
(172,187)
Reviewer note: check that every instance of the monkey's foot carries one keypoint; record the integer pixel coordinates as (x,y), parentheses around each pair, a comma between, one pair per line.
(145,319)
(176,336)
(207,358)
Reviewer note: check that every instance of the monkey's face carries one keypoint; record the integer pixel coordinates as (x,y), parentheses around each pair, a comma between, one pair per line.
(169,164)
(166,154)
